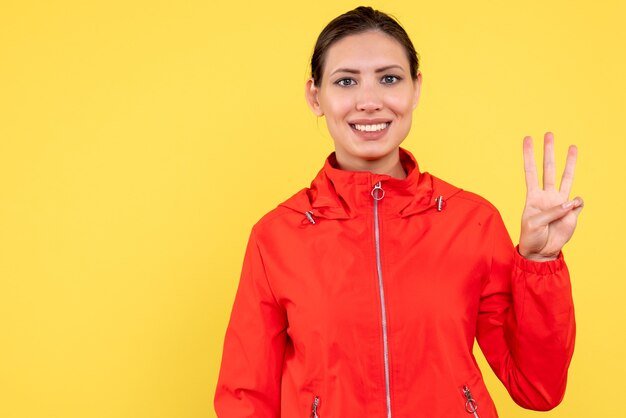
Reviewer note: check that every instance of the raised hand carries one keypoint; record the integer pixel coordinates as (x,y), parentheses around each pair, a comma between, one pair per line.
(549,217)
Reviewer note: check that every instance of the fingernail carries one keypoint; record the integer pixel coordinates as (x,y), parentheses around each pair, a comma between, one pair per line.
(568,205)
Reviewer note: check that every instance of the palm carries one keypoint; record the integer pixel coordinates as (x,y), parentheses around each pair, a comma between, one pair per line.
(546,224)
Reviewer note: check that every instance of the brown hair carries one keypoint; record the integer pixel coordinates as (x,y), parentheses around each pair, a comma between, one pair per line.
(356,21)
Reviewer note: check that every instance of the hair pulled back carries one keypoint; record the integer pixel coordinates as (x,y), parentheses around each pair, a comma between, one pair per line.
(357,21)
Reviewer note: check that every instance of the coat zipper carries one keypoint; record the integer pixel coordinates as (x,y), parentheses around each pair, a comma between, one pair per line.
(315,406)
(377,194)
(470,404)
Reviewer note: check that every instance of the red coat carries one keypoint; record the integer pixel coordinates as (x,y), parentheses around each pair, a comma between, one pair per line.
(350,306)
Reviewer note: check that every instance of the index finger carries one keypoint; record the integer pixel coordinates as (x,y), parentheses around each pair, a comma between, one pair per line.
(530,168)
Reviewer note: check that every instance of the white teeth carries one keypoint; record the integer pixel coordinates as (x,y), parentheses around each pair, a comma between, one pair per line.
(371,128)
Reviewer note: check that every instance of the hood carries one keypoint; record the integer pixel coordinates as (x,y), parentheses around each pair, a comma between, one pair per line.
(342,194)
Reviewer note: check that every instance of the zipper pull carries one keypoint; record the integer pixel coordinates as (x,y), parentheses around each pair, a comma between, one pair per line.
(470,405)
(316,404)
(309,216)
(377,192)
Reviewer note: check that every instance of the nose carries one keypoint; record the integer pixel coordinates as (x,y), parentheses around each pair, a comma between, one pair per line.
(369,99)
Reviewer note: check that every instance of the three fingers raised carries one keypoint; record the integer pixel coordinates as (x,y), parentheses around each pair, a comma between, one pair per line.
(549,166)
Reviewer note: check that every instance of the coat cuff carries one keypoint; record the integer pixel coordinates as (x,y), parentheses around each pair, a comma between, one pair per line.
(539,267)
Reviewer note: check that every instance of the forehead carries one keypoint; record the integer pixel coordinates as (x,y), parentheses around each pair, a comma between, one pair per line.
(364,51)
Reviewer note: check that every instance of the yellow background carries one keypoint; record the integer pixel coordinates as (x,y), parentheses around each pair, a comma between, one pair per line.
(140,140)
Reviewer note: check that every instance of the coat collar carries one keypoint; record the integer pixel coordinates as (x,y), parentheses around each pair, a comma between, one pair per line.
(342,194)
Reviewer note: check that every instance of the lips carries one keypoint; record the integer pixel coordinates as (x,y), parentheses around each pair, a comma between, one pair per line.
(370,129)
(370,124)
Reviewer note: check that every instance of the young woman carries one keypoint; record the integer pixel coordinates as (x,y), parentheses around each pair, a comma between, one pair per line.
(362,295)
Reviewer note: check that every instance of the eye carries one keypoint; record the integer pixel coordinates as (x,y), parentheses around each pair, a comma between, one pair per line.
(390,79)
(345,82)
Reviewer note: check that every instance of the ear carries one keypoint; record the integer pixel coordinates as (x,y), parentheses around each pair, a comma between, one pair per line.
(311,92)
(417,84)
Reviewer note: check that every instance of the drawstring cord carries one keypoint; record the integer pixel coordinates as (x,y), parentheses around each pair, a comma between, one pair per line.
(439,201)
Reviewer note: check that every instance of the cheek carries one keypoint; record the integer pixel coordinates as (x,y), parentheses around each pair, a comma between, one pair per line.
(401,104)
(337,107)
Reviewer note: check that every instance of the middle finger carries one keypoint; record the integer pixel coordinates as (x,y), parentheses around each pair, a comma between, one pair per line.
(549,169)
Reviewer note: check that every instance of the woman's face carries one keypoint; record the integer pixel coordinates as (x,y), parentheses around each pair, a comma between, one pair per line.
(367,96)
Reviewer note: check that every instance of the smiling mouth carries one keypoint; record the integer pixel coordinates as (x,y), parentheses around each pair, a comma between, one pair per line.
(370,128)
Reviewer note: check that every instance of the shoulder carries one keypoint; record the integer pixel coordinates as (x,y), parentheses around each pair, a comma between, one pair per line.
(474,199)
(461,197)
(289,212)
(473,214)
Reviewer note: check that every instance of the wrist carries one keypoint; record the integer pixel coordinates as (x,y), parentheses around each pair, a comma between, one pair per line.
(538,267)
(541,258)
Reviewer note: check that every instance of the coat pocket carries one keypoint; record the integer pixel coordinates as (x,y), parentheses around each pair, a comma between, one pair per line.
(471,406)
(315,406)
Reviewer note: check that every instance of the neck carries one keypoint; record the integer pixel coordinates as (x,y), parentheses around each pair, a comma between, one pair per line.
(389,164)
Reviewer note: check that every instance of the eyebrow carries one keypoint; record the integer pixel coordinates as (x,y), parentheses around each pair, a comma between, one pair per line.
(379,70)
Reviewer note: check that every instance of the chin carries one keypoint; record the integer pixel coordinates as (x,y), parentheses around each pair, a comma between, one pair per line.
(370,152)
(375,150)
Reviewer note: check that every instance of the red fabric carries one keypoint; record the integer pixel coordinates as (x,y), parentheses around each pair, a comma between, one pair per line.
(306,321)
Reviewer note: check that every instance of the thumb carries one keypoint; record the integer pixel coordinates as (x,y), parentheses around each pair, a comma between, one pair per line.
(579,207)
(557,212)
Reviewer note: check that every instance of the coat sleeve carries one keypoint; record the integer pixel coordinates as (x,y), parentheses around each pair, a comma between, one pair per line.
(250,374)
(526,326)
